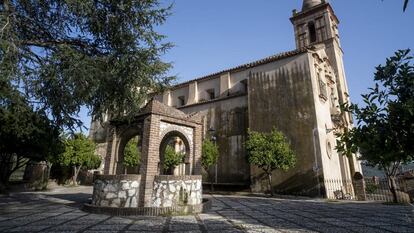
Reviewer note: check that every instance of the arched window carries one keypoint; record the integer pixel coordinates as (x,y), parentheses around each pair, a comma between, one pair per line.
(312,32)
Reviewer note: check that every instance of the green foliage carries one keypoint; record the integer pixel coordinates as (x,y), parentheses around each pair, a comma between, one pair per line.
(79,152)
(385,125)
(24,131)
(210,154)
(132,157)
(384,134)
(25,134)
(172,158)
(270,151)
(66,54)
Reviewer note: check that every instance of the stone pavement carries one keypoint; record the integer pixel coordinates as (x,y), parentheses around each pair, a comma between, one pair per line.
(58,211)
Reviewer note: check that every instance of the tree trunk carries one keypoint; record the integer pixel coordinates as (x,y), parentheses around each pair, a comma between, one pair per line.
(46,178)
(5,171)
(269,176)
(75,174)
(393,188)
(211,183)
(4,177)
(351,166)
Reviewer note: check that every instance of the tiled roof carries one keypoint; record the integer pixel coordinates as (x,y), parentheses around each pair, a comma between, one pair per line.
(247,65)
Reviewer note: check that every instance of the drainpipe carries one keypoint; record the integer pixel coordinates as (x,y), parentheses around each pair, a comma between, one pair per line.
(316,167)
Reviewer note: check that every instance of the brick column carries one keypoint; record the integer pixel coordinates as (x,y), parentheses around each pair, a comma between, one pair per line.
(110,156)
(150,159)
(197,142)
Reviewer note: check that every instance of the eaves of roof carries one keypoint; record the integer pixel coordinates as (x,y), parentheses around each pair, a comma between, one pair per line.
(263,61)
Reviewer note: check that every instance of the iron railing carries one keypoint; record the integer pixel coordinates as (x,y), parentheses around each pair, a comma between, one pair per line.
(378,189)
(339,189)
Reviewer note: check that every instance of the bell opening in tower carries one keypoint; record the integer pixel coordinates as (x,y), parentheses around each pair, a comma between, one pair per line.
(312,32)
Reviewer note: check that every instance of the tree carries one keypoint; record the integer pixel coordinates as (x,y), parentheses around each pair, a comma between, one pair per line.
(384,134)
(172,158)
(79,153)
(270,151)
(132,157)
(66,54)
(209,155)
(25,134)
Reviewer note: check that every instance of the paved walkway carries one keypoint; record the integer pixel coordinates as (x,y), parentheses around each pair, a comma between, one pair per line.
(58,211)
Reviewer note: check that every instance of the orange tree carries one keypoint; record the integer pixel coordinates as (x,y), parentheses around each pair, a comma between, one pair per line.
(79,153)
(270,151)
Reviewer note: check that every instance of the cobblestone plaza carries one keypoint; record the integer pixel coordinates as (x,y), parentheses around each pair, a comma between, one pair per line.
(59,211)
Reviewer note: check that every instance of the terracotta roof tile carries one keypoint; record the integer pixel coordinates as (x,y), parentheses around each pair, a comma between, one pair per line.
(247,65)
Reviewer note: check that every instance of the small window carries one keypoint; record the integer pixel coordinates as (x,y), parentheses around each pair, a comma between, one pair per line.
(245,85)
(312,32)
(211,94)
(181,101)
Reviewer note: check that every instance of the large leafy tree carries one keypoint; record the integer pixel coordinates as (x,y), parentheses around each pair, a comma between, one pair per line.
(79,153)
(270,151)
(25,134)
(384,134)
(64,54)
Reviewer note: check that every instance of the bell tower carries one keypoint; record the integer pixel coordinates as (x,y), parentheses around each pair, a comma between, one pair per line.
(317,24)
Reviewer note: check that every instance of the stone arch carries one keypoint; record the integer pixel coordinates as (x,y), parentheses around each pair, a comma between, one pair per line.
(164,139)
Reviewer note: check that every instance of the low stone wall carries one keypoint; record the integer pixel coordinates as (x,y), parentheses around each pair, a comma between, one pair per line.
(150,211)
(172,191)
(116,191)
(36,175)
(410,187)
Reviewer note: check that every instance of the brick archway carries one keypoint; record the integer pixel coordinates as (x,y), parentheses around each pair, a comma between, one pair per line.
(154,123)
(125,136)
(165,138)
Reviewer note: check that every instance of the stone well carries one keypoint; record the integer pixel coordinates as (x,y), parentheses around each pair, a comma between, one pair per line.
(151,193)
(116,191)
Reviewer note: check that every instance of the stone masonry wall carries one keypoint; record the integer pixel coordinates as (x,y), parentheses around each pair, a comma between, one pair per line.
(172,191)
(116,190)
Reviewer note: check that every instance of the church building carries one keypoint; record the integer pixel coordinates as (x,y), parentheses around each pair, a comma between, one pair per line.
(297,92)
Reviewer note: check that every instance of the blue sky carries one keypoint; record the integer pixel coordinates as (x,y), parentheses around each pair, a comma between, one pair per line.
(213,35)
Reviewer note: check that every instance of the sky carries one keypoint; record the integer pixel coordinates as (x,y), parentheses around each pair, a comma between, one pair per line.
(213,35)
